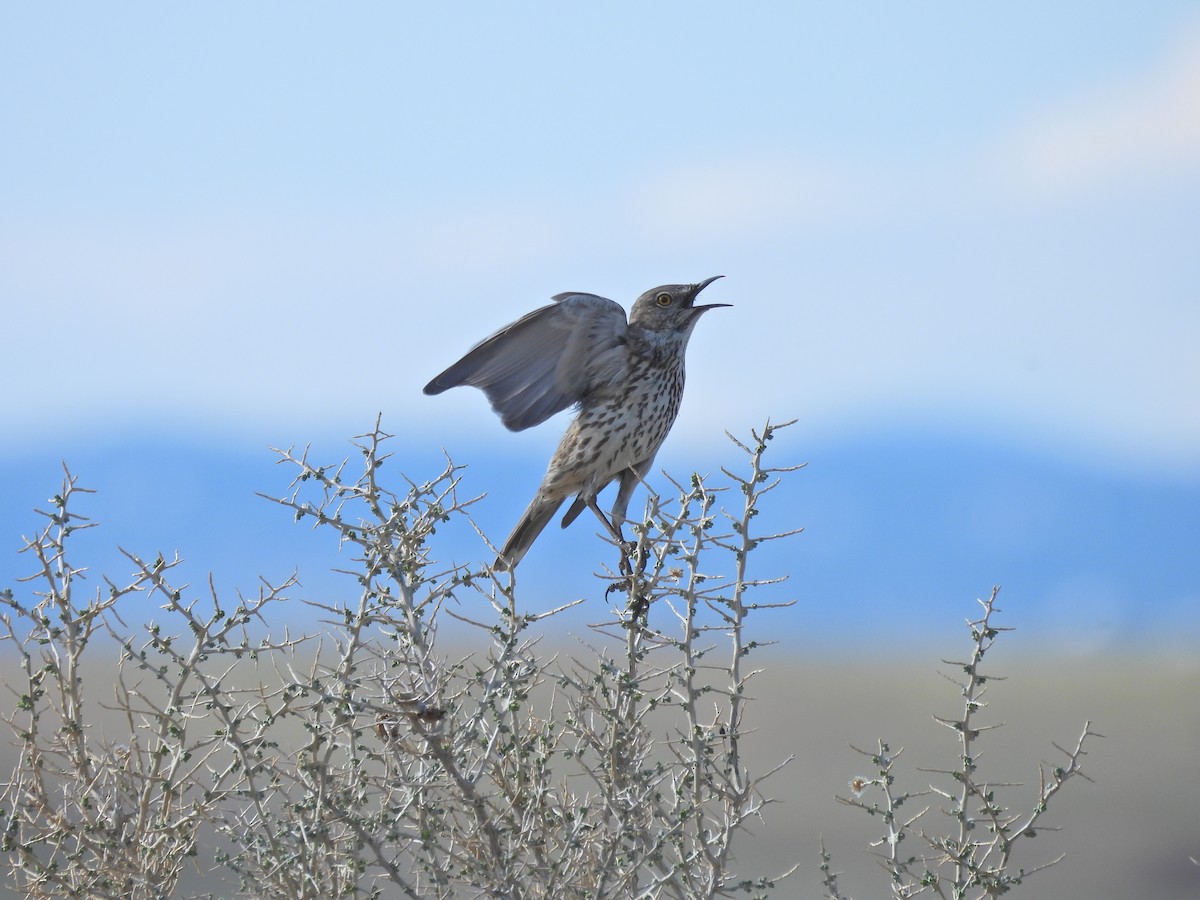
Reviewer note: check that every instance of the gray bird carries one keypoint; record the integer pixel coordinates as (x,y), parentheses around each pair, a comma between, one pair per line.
(625,377)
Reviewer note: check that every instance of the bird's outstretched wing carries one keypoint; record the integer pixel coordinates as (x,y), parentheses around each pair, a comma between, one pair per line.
(545,361)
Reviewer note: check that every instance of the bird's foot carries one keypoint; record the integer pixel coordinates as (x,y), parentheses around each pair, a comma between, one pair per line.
(639,605)
(628,549)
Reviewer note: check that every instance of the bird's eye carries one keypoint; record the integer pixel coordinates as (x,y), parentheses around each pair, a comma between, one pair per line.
(663,299)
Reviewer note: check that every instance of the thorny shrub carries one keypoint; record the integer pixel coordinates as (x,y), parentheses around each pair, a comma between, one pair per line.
(363,761)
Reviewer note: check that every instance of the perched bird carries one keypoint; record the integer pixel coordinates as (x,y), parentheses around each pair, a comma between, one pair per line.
(625,377)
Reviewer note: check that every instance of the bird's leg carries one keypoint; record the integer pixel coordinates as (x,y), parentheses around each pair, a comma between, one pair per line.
(629,480)
(612,529)
(639,602)
(615,531)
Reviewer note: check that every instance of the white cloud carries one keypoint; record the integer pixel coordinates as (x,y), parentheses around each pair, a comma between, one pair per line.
(1147,127)
(745,197)
(1118,133)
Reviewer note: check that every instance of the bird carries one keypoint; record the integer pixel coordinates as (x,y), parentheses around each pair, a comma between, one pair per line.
(624,376)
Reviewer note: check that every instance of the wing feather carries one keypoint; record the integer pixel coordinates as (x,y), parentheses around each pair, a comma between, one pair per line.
(545,361)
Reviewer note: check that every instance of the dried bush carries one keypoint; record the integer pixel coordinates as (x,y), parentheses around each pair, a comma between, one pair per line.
(362,761)
(974,856)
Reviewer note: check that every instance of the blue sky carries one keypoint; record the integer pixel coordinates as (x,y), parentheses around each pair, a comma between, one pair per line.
(960,242)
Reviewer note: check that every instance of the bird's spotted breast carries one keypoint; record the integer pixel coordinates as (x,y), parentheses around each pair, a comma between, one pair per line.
(621,429)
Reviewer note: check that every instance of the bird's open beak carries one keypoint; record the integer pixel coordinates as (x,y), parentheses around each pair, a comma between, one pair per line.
(697,288)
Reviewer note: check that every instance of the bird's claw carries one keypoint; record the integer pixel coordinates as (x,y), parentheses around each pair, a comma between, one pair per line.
(628,555)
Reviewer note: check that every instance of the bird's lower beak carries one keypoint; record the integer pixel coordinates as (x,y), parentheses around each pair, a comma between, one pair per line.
(697,288)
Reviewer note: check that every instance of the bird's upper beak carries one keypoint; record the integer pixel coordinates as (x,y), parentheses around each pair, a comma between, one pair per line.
(697,288)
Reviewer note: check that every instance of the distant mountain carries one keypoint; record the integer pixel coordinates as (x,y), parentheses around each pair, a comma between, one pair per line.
(901,533)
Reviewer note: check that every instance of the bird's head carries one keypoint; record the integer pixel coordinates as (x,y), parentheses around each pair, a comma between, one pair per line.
(671,307)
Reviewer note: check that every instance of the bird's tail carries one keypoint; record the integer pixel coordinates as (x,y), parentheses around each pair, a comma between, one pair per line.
(536,517)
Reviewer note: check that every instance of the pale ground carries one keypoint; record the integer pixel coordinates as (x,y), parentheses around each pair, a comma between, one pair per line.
(1128,835)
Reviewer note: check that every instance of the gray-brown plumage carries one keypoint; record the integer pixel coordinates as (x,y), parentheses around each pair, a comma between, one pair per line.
(625,377)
